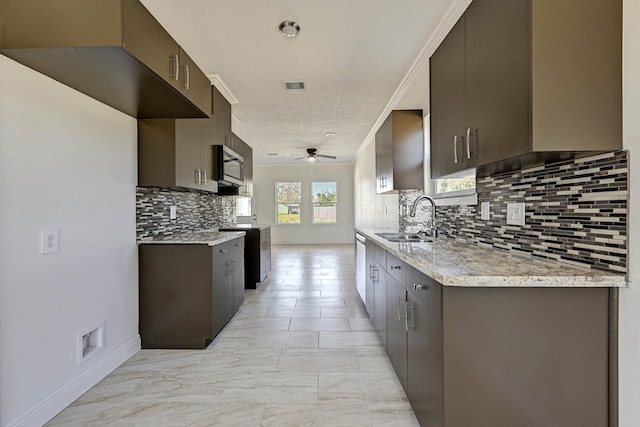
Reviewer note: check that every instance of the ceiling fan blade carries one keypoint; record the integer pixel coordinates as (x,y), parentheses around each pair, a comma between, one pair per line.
(300,158)
(326,156)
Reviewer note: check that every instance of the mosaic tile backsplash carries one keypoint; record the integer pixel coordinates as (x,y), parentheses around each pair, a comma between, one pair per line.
(195,211)
(576,212)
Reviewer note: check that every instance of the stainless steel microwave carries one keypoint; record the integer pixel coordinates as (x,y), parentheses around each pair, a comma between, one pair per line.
(228,166)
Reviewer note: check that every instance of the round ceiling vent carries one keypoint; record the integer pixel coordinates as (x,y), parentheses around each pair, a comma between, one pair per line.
(289,28)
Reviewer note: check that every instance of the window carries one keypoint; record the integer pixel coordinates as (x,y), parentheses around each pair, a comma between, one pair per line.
(243,206)
(325,199)
(457,185)
(288,199)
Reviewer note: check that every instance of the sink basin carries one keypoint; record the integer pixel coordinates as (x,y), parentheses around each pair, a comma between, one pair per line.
(405,237)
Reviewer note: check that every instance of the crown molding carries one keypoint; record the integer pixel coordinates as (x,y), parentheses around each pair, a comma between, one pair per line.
(217,81)
(452,15)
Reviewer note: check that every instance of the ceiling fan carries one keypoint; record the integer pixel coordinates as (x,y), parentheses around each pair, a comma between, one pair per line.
(312,155)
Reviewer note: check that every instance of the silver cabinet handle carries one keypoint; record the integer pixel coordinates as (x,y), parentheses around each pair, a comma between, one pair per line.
(204,175)
(196,176)
(375,278)
(419,287)
(238,244)
(185,76)
(174,66)
(396,267)
(467,141)
(455,148)
(371,271)
(406,318)
(224,251)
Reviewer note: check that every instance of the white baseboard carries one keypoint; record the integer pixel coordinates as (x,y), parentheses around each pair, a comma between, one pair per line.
(53,404)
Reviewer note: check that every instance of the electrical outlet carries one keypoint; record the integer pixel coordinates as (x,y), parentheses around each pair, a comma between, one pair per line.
(485,211)
(515,213)
(173,212)
(49,238)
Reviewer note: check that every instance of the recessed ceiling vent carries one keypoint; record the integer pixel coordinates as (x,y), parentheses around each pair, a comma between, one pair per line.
(293,86)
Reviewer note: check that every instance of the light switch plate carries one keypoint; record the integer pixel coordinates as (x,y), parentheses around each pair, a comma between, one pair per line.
(173,212)
(515,213)
(485,211)
(49,240)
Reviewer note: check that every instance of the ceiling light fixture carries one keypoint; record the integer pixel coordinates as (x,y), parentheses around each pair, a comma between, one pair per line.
(289,28)
(330,134)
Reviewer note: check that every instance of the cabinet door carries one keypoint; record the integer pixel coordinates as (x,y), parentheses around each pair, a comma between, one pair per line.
(238,274)
(447,98)
(384,159)
(221,108)
(424,347)
(207,141)
(497,79)
(145,38)
(397,328)
(194,84)
(380,303)
(188,140)
(221,291)
(371,263)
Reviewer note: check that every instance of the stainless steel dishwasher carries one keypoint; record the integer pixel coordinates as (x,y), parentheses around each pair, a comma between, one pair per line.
(361,266)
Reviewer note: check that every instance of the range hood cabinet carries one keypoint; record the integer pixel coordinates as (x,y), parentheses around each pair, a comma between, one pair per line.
(111,50)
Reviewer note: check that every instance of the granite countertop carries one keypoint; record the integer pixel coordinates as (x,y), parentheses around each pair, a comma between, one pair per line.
(205,237)
(458,263)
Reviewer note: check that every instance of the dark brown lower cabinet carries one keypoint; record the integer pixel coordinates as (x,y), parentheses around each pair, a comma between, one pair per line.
(370,264)
(525,356)
(257,254)
(424,347)
(188,292)
(487,357)
(397,328)
(380,303)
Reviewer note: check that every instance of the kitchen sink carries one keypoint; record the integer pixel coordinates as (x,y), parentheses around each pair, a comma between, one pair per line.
(405,237)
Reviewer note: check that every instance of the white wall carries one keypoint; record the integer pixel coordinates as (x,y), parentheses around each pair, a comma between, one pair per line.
(66,162)
(265,177)
(629,332)
(372,210)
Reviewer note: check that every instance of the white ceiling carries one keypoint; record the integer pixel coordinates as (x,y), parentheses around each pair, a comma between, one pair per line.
(353,55)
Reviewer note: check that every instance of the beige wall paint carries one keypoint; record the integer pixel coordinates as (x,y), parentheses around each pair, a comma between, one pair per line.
(372,210)
(66,162)
(265,177)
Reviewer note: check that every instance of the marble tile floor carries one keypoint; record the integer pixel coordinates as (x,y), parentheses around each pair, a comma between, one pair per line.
(299,352)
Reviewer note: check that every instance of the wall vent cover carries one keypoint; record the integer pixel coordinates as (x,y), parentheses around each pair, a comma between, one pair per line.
(293,85)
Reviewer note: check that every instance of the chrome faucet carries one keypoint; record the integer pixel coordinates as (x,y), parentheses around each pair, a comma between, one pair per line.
(412,212)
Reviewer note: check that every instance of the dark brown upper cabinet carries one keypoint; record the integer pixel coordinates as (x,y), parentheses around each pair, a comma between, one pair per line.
(224,136)
(400,152)
(176,153)
(111,50)
(519,82)
(245,150)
